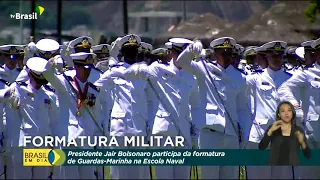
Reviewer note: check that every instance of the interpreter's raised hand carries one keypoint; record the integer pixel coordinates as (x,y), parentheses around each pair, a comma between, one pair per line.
(275,126)
(300,137)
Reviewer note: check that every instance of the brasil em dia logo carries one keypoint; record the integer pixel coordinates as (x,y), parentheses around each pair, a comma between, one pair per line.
(57,157)
(43,157)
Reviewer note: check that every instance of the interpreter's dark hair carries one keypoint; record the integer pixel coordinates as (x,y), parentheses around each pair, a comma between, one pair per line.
(293,120)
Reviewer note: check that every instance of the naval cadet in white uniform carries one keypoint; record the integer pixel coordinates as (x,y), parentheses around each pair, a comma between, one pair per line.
(236,57)
(186,86)
(85,44)
(307,82)
(103,54)
(8,73)
(36,113)
(250,56)
(46,49)
(173,92)
(128,115)
(10,54)
(307,53)
(80,107)
(292,63)
(144,52)
(268,90)
(261,58)
(218,84)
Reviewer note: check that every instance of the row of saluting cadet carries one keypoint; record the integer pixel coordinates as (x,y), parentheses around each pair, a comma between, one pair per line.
(224,97)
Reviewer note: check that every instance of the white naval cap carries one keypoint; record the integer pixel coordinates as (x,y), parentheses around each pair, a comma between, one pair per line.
(307,45)
(36,65)
(12,49)
(316,44)
(159,51)
(243,61)
(278,46)
(146,46)
(66,43)
(251,47)
(83,41)
(83,58)
(101,49)
(290,50)
(47,47)
(259,49)
(300,52)
(223,43)
(129,40)
(180,44)
(249,52)
(168,45)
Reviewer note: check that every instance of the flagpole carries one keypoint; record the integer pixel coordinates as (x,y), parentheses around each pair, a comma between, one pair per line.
(21,22)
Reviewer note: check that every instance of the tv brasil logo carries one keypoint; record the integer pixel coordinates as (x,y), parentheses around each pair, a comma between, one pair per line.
(43,157)
(38,11)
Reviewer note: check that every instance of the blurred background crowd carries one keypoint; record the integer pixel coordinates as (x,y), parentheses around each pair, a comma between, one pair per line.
(249,22)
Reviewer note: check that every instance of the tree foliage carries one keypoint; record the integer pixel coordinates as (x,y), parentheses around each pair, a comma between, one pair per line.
(311,12)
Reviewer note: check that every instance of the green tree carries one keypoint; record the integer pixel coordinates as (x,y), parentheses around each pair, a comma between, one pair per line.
(312,11)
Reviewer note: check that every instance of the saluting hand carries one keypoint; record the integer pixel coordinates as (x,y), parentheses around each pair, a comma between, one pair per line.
(51,61)
(197,47)
(275,126)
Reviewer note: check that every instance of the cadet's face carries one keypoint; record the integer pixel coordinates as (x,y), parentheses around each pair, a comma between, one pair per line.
(286,113)
(310,57)
(317,52)
(235,60)
(292,59)
(11,60)
(274,59)
(169,55)
(223,55)
(262,60)
(251,59)
(82,71)
(102,56)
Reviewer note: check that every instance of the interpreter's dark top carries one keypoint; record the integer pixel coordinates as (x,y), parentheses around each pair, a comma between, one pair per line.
(284,150)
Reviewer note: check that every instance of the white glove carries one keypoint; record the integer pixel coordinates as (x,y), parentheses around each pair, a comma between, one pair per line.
(59,63)
(114,52)
(13,98)
(197,47)
(30,51)
(50,64)
(137,71)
